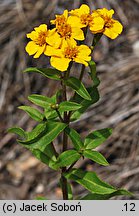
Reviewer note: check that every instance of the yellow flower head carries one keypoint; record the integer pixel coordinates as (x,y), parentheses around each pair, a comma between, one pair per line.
(38,44)
(111,28)
(60,58)
(60,19)
(64,30)
(80,17)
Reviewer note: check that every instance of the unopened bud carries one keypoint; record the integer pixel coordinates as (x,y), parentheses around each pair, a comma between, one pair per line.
(54,106)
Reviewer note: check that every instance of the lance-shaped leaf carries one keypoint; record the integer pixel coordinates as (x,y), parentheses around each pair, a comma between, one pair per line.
(50,114)
(52,130)
(119,192)
(47,72)
(78,86)
(17,130)
(67,158)
(93,73)
(44,158)
(41,100)
(97,137)
(75,138)
(36,133)
(96,157)
(33,113)
(93,91)
(69,106)
(70,195)
(90,181)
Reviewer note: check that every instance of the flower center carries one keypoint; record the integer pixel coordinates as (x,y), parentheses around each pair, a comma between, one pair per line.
(64,30)
(108,22)
(86,19)
(60,20)
(71,52)
(41,38)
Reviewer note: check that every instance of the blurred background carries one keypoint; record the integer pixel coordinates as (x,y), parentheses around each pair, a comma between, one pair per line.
(21,175)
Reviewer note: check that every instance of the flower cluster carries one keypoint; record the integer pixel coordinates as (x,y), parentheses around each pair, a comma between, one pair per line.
(60,43)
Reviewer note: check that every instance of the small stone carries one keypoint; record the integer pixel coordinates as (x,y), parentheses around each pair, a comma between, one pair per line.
(136,48)
(39,188)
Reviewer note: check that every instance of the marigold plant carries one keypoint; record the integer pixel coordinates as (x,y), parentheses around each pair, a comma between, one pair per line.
(64,43)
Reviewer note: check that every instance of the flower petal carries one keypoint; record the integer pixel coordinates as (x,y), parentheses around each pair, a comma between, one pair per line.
(31,48)
(65,14)
(84,9)
(53,38)
(69,42)
(40,50)
(97,25)
(52,51)
(114,31)
(32,35)
(84,51)
(42,27)
(60,63)
(77,33)
(75,21)
(110,33)
(117,27)
(81,61)
(105,12)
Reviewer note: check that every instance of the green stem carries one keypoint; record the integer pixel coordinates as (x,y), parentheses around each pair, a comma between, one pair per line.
(67,118)
(65,138)
(72,165)
(60,117)
(96,40)
(80,78)
(55,152)
(82,72)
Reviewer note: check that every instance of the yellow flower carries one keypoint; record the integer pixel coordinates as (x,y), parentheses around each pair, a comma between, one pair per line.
(60,19)
(63,31)
(111,28)
(80,17)
(60,58)
(38,44)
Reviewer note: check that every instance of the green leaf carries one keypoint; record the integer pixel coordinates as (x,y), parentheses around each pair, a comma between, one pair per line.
(33,113)
(93,91)
(50,114)
(47,72)
(70,195)
(93,73)
(96,39)
(95,156)
(52,130)
(17,130)
(41,198)
(93,196)
(44,158)
(78,86)
(75,138)
(67,158)
(41,100)
(36,133)
(68,106)
(90,181)
(97,137)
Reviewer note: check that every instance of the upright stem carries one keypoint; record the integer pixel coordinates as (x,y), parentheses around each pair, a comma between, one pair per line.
(82,72)
(80,78)
(67,118)
(65,142)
